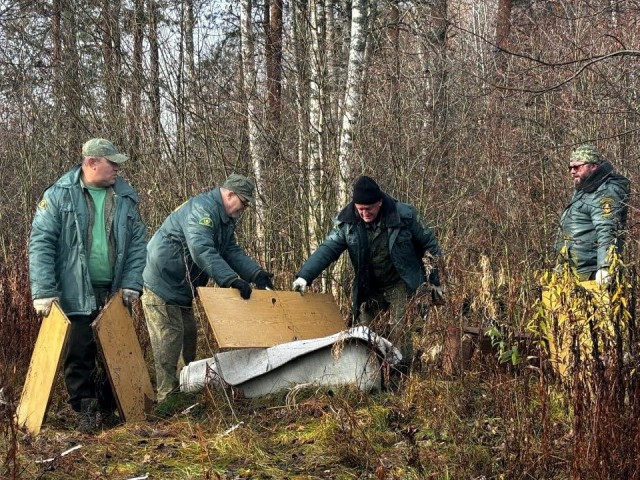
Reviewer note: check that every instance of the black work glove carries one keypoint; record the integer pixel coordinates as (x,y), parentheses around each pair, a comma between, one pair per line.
(263,280)
(244,287)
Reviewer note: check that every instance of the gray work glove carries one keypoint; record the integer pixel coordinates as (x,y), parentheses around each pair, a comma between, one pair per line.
(129,297)
(243,287)
(43,305)
(300,285)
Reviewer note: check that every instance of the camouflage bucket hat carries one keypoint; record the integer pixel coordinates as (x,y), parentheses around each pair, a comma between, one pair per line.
(586,153)
(99,147)
(241,186)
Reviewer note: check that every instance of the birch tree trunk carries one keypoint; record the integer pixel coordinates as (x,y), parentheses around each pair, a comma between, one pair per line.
(334,54)
(353,96)
(251,100)
(300,36)
(316,121)
(274,79)
(185,90)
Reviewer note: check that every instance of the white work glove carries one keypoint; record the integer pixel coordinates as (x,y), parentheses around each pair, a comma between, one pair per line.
(43,305)
(129,297)
(300,285)
(603,277)
(437,294)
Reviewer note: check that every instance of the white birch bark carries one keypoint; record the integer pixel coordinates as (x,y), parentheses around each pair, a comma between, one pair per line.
(298,23)
(300,35)
(316,120)
(353,95)
(334,47)
(250,91)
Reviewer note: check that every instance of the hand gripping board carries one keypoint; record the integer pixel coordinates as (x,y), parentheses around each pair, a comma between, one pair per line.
(124,361)
(45,361)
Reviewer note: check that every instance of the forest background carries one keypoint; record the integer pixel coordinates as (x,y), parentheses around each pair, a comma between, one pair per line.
(466,109)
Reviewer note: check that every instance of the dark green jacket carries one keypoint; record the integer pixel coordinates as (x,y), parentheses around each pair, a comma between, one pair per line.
(60,239)
(196,242)
(594,220)
(409,239)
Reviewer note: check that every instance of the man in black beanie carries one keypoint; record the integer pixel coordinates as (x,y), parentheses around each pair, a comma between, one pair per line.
(386,241)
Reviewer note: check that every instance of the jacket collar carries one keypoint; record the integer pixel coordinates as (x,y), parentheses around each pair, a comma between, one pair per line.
(217,198)
(73,176)
(597,178)
(388,217)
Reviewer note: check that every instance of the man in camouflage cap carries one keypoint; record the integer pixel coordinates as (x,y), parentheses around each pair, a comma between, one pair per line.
(87,241)
(195,243)
(596,217)
(99,147)
(586,153)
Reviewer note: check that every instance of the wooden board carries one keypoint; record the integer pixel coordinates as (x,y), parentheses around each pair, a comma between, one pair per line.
(45,361)
(269,317)
(124,362)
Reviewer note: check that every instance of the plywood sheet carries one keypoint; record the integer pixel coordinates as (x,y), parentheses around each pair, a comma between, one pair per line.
(124,361)
(269,317)
(45,361)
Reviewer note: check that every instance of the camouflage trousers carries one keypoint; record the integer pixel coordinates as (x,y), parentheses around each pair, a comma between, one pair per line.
(173,335)
(384,312)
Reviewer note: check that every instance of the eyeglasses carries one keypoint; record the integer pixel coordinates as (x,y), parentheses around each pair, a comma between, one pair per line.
(244,204)
(576,167)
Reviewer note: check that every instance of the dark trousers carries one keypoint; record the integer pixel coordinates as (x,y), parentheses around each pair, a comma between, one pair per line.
(84,372)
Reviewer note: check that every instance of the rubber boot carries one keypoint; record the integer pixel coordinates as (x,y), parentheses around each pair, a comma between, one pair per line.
(87,416)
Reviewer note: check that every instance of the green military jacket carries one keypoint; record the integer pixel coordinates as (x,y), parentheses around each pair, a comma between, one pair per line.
(61,237)
(409,238)
(594,221)
(194,243)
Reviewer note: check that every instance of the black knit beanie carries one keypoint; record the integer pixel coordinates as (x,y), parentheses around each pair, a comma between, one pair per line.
(366,191)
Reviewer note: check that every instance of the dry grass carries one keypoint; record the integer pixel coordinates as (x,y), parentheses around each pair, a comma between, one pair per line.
(434,429)
(490,421)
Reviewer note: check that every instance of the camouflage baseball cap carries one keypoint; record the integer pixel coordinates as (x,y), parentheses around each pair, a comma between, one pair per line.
(586,153)
(99,147)
(241,186)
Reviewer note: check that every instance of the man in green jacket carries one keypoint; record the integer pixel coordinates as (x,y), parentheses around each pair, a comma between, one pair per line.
(195,243)
(387,242)
(87,241)
(592,225)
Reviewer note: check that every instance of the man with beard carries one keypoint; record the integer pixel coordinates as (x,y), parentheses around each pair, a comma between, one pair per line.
(592,225)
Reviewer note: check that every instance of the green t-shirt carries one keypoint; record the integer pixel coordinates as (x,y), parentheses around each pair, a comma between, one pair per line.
(99,266)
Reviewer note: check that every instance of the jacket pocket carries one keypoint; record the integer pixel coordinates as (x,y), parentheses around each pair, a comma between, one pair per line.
(68,226)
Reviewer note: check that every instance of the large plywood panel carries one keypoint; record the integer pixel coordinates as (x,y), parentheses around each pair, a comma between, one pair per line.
(124,361)
(269,317)
(44,365)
